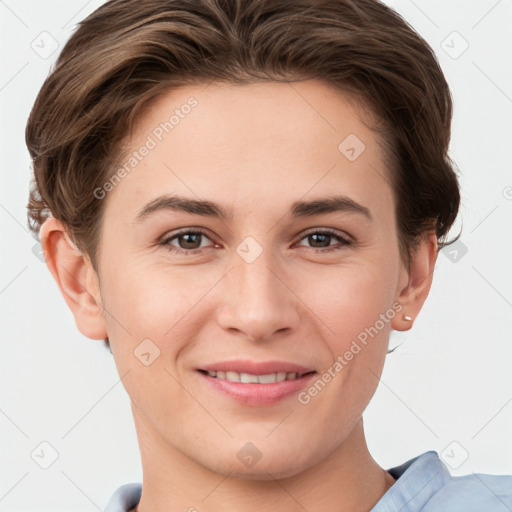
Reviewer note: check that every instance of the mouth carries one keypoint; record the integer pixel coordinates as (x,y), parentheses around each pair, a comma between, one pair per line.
(256,384)
(249,378)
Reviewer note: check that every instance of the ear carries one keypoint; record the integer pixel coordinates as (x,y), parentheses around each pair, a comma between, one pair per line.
(416,282)
(75,277)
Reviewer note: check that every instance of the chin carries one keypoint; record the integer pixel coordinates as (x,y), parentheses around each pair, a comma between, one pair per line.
(269,471)
(267,465)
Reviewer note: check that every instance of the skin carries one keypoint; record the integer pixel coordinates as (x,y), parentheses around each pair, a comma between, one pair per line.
(254,149)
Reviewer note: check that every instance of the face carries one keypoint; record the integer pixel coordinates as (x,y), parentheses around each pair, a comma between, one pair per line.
(293,262)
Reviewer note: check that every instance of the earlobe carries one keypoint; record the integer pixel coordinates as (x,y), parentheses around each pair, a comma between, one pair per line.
(75,277)
(412,296)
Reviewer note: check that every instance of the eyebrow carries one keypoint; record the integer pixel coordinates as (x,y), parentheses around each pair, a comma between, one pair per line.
(208,208)
(184,204)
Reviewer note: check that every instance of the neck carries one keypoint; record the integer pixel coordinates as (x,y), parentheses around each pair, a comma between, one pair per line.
(347,480)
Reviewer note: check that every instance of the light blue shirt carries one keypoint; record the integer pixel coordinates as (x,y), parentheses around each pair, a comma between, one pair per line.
(423,484)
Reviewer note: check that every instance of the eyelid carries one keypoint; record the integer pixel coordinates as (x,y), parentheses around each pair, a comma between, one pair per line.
(327,231)
(183,231)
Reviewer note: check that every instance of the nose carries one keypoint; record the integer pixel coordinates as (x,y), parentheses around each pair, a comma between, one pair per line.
(257,300)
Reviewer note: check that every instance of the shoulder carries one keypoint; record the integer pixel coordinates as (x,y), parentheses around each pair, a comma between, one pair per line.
(424,484)
(124,498)
(474,493)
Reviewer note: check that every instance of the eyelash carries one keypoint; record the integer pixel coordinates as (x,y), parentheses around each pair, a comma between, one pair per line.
(341,239)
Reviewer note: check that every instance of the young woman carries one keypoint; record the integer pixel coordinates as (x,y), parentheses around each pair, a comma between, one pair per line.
(243,198)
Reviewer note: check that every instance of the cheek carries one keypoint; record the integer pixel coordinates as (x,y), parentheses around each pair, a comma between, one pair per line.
(152,297)
(350,299)
(150,320)
(154,302)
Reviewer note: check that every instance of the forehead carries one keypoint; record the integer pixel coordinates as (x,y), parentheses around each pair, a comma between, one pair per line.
(247,143)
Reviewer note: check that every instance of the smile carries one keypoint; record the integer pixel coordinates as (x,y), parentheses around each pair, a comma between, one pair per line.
(255,390)
(248,378)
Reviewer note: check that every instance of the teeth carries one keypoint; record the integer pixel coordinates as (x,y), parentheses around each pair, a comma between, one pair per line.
(233,376)
(268,378)
(247,377)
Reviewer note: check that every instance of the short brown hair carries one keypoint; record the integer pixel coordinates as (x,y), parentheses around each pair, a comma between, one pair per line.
(128,52)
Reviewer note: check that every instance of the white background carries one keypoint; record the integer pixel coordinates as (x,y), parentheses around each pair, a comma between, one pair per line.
(449,384)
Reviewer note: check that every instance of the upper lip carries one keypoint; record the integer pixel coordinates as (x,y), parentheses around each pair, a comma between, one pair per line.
(257,368)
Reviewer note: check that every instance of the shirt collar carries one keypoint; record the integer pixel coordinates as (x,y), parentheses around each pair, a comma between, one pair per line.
(417,480)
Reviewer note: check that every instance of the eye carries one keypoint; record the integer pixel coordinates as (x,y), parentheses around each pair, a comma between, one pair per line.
(320,240)
(190,241)
(187,241)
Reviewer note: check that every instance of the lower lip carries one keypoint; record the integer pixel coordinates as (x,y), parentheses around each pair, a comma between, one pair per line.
(258,394)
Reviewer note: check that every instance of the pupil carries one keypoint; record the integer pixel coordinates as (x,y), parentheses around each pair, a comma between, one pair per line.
(320,238)
(189,241)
